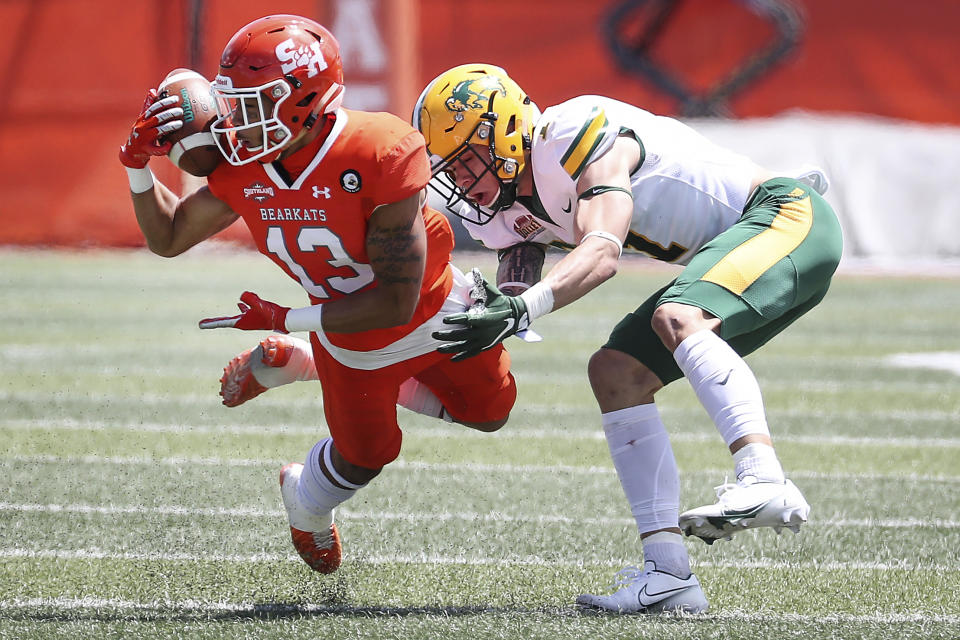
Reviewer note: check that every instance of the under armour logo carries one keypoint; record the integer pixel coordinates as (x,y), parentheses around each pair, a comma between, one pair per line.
(317,192)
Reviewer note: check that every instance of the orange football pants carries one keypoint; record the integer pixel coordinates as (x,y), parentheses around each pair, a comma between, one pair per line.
(360,406)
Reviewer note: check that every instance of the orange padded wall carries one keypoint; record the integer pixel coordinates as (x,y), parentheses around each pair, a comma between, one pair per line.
(74,72)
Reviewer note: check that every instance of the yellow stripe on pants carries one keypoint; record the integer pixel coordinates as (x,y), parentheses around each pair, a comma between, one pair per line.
(741,267)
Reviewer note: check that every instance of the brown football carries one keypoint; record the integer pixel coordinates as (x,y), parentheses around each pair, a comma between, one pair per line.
(194,149)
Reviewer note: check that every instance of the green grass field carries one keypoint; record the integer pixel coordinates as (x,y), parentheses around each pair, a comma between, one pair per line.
(134,505)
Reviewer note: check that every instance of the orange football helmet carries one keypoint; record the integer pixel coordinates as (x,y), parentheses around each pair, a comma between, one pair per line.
(277,76)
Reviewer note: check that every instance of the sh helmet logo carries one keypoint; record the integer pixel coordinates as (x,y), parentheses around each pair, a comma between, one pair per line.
(292,57)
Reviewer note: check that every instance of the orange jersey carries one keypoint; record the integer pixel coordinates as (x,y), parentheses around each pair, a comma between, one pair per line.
(310,215)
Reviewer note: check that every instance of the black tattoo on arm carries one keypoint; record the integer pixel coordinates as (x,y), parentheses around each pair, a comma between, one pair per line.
(520,267)
(394,256)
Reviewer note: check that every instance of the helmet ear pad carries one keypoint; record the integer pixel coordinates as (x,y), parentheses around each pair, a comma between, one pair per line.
(508,135)
(309,100)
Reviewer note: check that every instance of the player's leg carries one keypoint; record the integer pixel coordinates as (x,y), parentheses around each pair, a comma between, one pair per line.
(478,392)
(729,392)
(361,442)
(625,375)
(419,398)
(311,492)
(724,384)
(281,359)
(747,503)
(277,360)
(739,291)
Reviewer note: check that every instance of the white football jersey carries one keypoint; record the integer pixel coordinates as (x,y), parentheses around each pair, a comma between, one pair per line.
(686,191)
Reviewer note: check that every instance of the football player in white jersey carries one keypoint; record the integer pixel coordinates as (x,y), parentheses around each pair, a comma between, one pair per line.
(601,177)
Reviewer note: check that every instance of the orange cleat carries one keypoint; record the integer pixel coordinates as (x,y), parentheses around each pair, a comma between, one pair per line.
(277,349)
(238,384)
(318,541)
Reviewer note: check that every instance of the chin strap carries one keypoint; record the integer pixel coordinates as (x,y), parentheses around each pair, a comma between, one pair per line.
(326,120)
(326,125)
(508,196)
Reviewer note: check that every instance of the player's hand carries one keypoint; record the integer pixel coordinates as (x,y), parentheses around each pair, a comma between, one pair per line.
(157,117)
(485,325)
(255,314)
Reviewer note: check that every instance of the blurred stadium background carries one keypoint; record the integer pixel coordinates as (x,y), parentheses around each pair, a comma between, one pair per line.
(868,89)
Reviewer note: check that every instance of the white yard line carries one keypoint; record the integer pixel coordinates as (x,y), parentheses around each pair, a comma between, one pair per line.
(251,608)
(468,516)
(40,355)
(447,432)
(446,467)
(426,558)
(937,360)
(828,387)
(829,384)
(303,401)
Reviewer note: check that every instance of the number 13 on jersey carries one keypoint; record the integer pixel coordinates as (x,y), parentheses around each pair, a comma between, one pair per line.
(310,239)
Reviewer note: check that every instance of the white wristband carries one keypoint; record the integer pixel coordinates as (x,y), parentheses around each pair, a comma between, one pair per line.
(305,319)
(141,180)
(606,235)
(539,300)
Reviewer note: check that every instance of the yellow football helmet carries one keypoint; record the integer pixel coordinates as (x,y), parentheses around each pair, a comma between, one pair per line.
(476,104)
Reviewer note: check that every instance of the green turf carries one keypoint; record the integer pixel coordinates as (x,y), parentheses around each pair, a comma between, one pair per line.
(135,505)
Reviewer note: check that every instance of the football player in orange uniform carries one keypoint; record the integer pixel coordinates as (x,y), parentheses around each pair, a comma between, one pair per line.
(336,198)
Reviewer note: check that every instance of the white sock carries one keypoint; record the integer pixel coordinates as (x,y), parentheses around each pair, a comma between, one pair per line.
(315,492)
(723,382)
(758,461)
(417,397)
(644,460)
(667,552)
(299,368)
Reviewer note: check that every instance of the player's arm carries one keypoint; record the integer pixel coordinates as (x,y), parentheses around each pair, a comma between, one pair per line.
(397,250)
(520,267)
(169,224)
(601,224)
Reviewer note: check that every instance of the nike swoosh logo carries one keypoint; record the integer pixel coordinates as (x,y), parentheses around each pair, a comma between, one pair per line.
(510,324)
(569,206)
(725,378)
(654,598)
(728,516)
(744,513)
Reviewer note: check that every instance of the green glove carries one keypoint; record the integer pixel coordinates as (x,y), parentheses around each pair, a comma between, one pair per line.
(493,318)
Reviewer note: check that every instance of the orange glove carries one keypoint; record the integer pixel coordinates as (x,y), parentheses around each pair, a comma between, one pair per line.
(157,117)
(255,314)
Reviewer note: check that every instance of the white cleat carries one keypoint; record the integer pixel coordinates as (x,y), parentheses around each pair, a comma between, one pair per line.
(747,505)
(649,591)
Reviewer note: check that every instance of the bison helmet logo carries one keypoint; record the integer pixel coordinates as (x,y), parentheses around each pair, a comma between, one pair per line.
(473,93)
